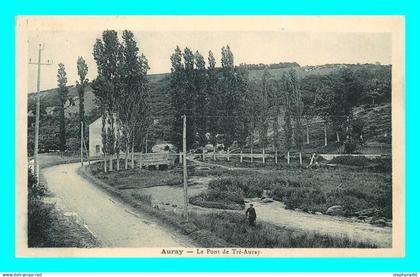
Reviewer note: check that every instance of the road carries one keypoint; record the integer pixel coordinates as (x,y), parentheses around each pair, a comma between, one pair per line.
(113,223)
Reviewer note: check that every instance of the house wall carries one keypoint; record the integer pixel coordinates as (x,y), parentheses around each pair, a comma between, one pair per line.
(95,138)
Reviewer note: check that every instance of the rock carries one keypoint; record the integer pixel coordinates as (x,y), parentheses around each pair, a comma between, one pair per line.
(361,217)
(189,227)
(202,168)
(318,213)
(266,194)
(267,200)
(174,206)
(335,210)
(369,212)
(379,222)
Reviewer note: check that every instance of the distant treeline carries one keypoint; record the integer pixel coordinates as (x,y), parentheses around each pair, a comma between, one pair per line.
(271,66)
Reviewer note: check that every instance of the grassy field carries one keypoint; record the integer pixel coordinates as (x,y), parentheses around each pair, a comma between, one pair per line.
(137,178)
(307,189)
(222,229)
(235,230)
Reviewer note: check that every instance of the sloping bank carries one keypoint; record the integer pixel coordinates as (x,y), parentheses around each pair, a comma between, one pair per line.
(202,237)
(230,228)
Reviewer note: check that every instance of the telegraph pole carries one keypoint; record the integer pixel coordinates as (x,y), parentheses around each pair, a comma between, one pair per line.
(36,161)
(184,163)
(81,142)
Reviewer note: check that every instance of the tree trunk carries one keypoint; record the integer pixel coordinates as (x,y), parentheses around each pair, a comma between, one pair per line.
(132,153)
(110,163)
(252,156)
(118,160)
(105,169)
(127,148)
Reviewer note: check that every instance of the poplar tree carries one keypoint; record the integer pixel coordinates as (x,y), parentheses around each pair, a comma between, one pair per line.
(213,121)
(82,70)
(63,94)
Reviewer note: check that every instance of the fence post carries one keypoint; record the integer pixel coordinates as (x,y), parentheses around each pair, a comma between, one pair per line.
(288,157)
(325,135)
(141,160)
(241,156)
(180,157)
(252,156)
(307,134)
(300,158)
(228,155)
(214,152)
(275,156)
(263,155)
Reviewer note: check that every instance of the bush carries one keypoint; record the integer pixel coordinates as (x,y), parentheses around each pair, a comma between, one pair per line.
(145,198)
(352,160)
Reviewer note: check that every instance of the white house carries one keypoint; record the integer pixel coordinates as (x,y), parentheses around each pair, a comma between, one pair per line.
(95,138)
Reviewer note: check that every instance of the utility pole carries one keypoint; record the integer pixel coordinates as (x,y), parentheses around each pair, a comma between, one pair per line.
(81,142)
(184,163)
(38,86)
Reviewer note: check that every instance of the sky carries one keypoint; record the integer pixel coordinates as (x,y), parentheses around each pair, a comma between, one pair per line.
(305,48)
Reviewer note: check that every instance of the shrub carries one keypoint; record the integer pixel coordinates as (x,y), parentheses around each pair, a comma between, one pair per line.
(352,160)
(145,198)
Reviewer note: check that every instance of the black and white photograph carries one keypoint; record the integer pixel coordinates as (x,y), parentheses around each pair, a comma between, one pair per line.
(210,136)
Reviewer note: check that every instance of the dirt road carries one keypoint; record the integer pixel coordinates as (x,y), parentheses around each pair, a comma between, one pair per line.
(113,223)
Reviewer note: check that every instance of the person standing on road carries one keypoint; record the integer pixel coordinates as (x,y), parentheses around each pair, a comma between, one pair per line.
(251,214)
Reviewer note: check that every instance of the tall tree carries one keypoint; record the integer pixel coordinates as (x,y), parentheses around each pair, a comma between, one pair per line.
(190,97)
(107,54)
(82,70)
(288,106)
(297,109)
(229,98)
(213,121)
(201,100)
(133,108)
(178,96)
(264,104)
(63,93)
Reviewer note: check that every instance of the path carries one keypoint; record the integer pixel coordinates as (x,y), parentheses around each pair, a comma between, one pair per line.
(113,223)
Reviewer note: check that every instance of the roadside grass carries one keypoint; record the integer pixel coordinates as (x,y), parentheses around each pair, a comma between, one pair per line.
(48,226)
(234,229)
(309,190)
(137,178)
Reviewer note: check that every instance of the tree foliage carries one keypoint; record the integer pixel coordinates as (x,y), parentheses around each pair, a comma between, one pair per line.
(63,94)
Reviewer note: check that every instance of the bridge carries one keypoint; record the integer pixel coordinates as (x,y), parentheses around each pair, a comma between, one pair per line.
(156,160)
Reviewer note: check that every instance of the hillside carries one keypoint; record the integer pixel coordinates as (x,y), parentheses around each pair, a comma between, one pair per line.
(376,122)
